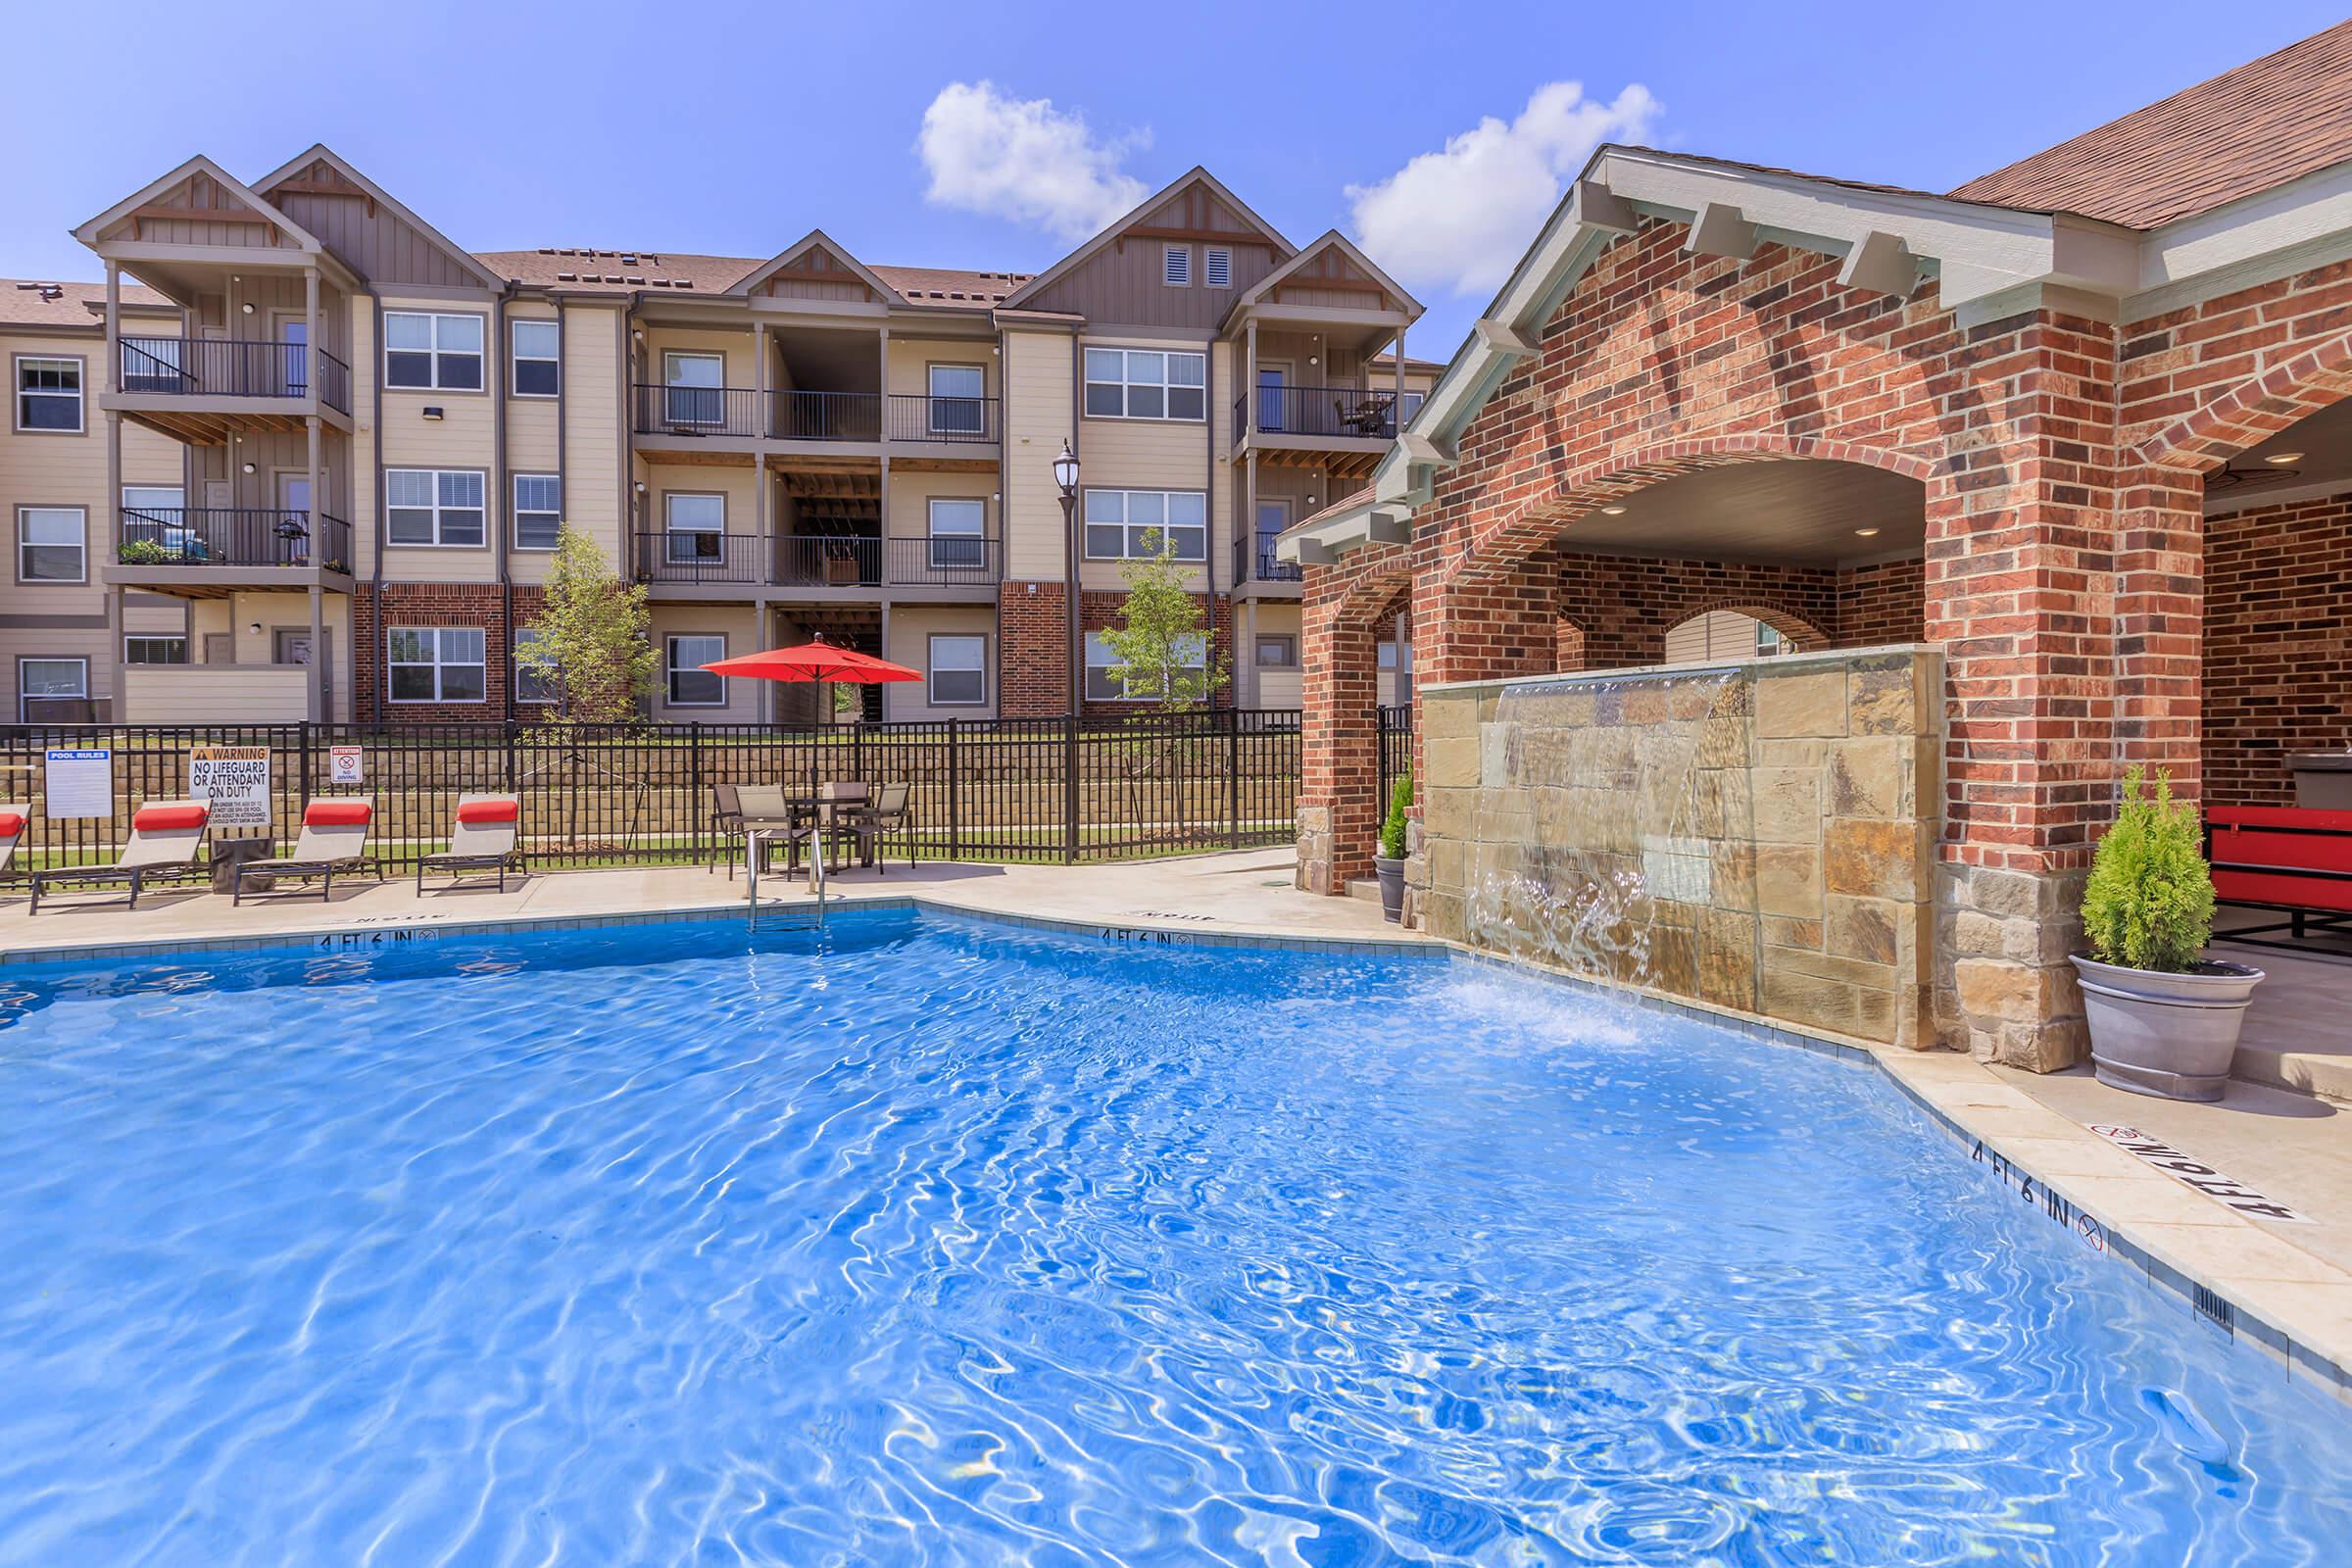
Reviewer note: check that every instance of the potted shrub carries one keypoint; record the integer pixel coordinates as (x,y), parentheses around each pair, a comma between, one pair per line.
(2163,1020)
(1390,861)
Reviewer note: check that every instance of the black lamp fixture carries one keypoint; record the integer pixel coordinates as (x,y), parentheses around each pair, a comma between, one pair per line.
(1066,479)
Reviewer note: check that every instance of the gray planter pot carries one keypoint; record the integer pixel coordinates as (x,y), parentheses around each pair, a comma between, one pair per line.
(2170,1035)
(1392,886)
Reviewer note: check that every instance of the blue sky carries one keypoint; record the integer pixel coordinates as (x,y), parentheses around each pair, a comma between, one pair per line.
(737,129)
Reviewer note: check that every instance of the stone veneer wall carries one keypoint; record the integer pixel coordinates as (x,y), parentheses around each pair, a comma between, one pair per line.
(1794,879)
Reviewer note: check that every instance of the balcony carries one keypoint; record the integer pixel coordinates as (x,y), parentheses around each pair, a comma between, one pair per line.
(245,374)
(191,546)
(851,561)
(1323,412)
(1253,561)
(845,418)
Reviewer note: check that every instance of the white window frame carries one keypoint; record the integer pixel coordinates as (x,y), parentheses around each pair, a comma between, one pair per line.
(518,509)
(78,397)
(670,531)
(974,558)
(671,386)
(1216,266)
(671,669)
(439,663)
(1167,385)
(437,509)
(932,669)
(80,545)
(434,355)
(951,404)
(155,637)
(1176,265)
(1131,532)
(519,359)
(1098,644)
(24,696)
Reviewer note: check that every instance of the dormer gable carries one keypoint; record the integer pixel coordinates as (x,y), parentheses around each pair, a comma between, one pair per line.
(815,269)
(1126,273)
(366,228)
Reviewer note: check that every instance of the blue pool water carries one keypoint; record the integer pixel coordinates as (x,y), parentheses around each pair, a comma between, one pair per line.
(937,1241)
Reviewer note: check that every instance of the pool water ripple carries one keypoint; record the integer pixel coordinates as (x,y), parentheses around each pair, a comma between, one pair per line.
(928,1240)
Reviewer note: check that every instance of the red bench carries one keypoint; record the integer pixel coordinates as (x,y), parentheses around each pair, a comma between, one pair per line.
(2282,857)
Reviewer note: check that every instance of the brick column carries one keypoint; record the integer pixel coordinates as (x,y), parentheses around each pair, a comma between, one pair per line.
(2160,626)
(1339,819)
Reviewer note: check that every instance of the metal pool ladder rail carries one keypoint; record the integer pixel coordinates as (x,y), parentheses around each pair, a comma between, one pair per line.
(792,916)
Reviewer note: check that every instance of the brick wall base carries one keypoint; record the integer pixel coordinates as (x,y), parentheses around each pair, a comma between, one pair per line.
(1032,642)
(2277,644)
(438,604)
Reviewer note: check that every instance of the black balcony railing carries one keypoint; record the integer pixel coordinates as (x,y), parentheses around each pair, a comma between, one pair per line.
(232,536)
(826,416)
(916,418)
(1253,561)
(230,368)
(1364,413)
(816,560)
(699,410)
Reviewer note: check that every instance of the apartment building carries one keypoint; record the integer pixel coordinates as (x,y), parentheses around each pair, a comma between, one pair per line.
(333,449)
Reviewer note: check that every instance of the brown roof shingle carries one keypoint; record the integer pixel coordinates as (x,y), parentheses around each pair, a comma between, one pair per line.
(593,272)
(2246,130)
(35,302)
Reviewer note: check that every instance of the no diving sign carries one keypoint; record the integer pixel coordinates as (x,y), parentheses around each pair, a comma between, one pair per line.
(2203,1177)
(343,765)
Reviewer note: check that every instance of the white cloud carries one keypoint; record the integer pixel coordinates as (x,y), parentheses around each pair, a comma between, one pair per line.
(1461,217)
(1024,160)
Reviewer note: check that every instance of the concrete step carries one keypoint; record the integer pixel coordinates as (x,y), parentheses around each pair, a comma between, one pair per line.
(1365,887)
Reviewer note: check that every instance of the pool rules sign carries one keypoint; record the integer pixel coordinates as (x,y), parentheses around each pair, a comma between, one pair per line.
(234,780)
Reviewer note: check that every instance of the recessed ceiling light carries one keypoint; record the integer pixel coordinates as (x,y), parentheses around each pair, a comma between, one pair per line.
(1867,534)
(1612,512)
(2284,457)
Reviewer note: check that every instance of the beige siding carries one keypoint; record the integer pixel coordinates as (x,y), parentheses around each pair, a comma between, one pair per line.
(1039,372)
(911,359)
(1147,455)
(1124,280)
(740,625)
(463,437)
(215,694)
(1718,634)
(911,628)
(595,448)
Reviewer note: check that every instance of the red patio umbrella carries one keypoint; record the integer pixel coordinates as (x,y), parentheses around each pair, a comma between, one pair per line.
(816,661)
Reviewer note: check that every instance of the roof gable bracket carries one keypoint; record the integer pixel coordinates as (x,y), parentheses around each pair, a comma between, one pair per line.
(1503,339)
(1881,263)
(1718,229)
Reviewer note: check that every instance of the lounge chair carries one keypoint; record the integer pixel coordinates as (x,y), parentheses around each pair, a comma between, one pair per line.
(885,812)
(165,836)
(335,837)
(14,820)
(483,839)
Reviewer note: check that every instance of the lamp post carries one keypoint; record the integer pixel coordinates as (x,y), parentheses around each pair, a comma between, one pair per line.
(1065,478)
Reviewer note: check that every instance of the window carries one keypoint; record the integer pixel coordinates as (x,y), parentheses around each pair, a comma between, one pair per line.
(691,686)
(958,394)
(696,527)
(532,685)
(154,650)
(432,352)
(1138,686)
(1117,521)
(1277,653)
(1176,267)
(434,507)
(538,511)
(1145,384)
(53,690)
(538,359)
(959,671)
(1216,268)
(49,394)
(50,544)
(694,389)
(1768,641)
(155,503)
(436,664)
(958,529)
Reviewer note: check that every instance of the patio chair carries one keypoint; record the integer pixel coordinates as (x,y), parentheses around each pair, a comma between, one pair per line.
(335,837)
(483,839)
(165,836)
(726,821)
(840,808)
(887,812)
(14,820)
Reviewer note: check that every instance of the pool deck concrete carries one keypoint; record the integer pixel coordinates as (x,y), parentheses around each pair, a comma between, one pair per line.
(2287,1281)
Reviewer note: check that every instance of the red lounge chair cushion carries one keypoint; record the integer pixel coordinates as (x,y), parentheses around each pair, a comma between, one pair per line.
(158,818)
(12,824)
(490,812)
(337,814)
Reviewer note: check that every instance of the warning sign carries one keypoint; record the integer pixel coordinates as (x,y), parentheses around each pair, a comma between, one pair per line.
(234,780)
(343,765)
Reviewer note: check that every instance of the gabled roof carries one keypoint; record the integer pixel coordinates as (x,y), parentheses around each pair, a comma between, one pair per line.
(245,196)
(322,154)
(814,239)
(1331,239)
(2248,130)
(1196,176)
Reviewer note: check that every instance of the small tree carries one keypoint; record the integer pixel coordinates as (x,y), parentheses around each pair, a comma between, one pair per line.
(1161,645)
(1392,830)
(2149,900)
(591,639)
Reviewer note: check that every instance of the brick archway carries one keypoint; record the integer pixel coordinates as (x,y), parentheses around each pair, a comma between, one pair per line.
(1798,629)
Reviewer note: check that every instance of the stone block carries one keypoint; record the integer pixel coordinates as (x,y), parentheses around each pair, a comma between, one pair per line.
(1865,928)
(1734,874)
(1448,717)
(1805,998)
(1783,932)
(1801,703)
(1788,806)
(1450,761)
(1999,988)
(1788,880)
(1449,814)
(1883,697)
(1866,857)
(1870,777)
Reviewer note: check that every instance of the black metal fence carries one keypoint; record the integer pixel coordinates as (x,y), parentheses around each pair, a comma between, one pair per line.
(979,789)
(1395,749)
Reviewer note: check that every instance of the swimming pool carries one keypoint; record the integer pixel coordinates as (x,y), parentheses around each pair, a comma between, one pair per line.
(929,1239)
